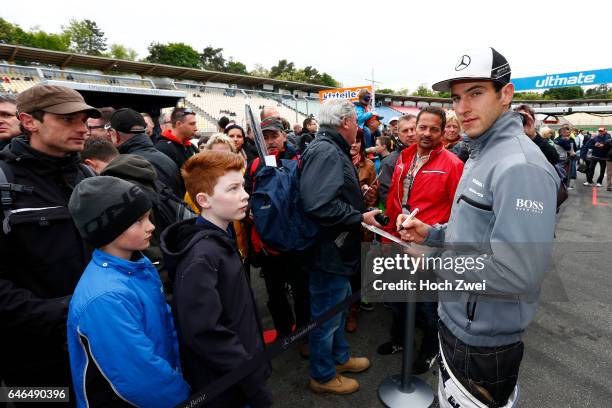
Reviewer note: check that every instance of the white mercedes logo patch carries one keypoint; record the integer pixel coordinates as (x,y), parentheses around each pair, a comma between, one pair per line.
(463,63)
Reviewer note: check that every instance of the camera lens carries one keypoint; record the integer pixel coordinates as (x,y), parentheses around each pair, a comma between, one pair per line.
(382,219)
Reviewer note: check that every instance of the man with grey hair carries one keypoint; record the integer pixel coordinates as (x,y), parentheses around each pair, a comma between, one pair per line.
(9,123)
(165,122)
(332,197)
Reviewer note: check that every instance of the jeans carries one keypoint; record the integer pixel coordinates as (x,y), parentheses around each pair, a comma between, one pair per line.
(572,169)
(328,346)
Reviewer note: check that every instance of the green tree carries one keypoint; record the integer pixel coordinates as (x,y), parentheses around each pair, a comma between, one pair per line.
(283,67)
(328,80)
(600,91)
(48,41)
(120,51)
(569,92)
(212,58)
(403,91)
(178,54)
(260,71)
(422,90)
(527,96)
(86,37)
(387,91)
(236,67)
(13,34)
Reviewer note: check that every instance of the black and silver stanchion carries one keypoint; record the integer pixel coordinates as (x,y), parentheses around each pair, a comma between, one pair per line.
(405,389)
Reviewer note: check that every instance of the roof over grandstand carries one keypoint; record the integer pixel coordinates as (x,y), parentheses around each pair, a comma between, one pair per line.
(61,59)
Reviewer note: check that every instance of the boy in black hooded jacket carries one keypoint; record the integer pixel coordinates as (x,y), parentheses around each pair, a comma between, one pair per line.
(215,312)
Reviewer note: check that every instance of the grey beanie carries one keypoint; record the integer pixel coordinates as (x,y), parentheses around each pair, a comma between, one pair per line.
(104,207)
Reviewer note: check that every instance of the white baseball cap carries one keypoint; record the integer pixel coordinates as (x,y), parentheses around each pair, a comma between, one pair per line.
(477,63)
(394,118)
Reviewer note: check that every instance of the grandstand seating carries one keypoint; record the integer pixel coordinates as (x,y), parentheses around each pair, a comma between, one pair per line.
(258,100)
(387,112)
(308,106)
(407,109)
(211,103)
(93,78)
(15,79)
(16,84)
(218,102)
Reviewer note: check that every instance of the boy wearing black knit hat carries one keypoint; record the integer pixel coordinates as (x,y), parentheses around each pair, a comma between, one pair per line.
(121,336)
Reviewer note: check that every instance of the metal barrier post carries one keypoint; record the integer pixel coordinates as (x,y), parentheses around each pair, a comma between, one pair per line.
(406,390)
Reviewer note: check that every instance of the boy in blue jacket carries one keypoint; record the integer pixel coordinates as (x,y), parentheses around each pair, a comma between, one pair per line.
(121,337)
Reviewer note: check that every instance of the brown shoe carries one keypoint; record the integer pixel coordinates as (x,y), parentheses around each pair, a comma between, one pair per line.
(351,320)
(304,350)
(354,365)
(338,385)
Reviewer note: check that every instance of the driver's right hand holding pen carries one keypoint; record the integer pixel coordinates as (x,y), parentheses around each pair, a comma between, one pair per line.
(410,228)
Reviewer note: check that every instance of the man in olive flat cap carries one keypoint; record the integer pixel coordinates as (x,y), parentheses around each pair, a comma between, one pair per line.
(42,255)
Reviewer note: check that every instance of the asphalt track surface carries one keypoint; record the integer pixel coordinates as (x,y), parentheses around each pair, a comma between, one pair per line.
(568,348)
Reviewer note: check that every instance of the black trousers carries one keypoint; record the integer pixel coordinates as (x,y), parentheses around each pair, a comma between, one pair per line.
(280,272)
(591,164)
(488,373)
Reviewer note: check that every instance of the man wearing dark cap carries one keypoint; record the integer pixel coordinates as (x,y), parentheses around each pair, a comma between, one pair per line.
(280,268)
(42,255)
(127,132)
(504,214)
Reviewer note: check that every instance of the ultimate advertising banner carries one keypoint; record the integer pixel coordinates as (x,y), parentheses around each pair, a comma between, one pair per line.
(580,78)
(343,93)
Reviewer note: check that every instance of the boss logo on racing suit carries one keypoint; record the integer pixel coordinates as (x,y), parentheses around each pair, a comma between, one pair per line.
(529,205)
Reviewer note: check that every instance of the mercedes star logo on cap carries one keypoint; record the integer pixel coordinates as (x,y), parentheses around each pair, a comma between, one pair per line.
(463,63)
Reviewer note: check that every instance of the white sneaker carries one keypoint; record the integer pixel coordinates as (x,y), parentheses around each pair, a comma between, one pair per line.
(570,188)
(598,185)
(586,183)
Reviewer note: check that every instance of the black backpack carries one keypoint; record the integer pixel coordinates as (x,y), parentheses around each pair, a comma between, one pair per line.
(169,208)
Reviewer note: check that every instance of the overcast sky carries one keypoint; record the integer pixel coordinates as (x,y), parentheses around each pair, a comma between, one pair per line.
(406,42)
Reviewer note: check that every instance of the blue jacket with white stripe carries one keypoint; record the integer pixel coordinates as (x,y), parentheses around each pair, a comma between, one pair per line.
(121,337)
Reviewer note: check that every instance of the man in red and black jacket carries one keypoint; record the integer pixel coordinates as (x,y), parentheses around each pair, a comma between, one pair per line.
(176,142)
(280,268)
(426,176)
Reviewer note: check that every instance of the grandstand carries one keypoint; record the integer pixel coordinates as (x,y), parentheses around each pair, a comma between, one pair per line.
(404,110)
(16,79)
(151,87)
(387,112)
(308,106)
